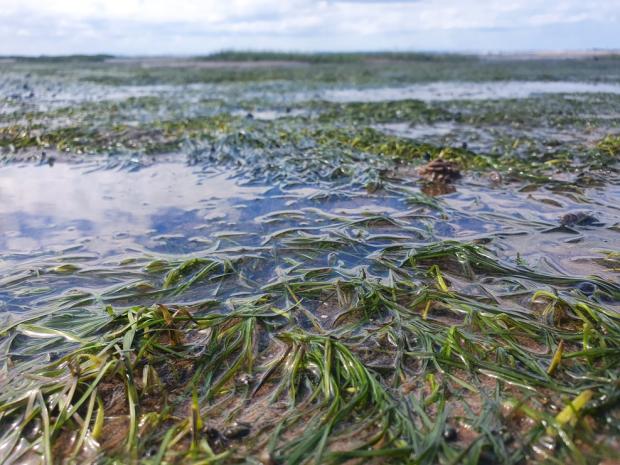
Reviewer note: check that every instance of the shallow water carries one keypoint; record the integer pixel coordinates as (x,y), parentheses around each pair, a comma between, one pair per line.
(96,216)
(45,206)
(498,139)
(454,90)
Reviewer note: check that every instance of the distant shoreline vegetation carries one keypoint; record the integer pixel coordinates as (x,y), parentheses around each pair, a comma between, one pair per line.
(57,58)
(321,57)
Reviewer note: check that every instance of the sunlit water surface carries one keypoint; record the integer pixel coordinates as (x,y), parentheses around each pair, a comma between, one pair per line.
(99,217)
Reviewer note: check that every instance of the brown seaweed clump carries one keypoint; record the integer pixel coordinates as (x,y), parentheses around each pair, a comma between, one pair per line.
(440,170)
(580,218)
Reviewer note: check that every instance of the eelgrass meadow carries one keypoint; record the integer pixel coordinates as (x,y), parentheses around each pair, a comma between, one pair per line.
(233,259)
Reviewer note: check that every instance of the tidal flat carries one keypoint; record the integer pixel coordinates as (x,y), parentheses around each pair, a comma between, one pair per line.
(263,258)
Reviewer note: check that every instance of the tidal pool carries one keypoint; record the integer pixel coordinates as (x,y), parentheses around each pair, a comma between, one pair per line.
(111,210)
(97,215)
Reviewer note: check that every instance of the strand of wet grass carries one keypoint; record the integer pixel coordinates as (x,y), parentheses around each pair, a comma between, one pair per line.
(480,339)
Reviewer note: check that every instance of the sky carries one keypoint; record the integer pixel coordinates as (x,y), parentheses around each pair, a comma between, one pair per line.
(187,27)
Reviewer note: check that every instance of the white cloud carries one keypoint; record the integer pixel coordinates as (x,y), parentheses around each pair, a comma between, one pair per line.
(123,26)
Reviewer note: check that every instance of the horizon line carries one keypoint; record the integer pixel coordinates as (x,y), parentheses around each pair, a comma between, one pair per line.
(577,52)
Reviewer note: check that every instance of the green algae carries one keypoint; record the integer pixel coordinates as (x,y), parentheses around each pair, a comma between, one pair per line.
(156,137)
(610,146)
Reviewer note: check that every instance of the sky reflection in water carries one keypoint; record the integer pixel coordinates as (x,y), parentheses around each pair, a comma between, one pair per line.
(43,206)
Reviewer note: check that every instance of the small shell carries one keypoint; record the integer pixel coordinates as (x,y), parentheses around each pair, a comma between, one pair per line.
(495,177)
(237,431)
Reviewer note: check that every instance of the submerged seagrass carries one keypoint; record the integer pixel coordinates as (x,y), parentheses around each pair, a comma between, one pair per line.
(209,263)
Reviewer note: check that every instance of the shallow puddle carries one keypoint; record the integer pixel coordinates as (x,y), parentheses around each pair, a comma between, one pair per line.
(100,215)
(60,205)
(443,91)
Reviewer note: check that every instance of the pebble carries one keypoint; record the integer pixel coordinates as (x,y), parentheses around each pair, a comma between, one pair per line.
(586,288)
(450,434)
(237,431)
(577,218)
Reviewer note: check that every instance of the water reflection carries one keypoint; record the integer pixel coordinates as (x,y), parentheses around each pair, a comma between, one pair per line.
(42,206)
(455,90)
(106,217)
